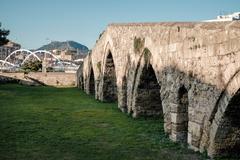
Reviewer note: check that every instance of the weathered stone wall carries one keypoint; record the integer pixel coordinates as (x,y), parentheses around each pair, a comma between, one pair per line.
(49,78)
(196,66)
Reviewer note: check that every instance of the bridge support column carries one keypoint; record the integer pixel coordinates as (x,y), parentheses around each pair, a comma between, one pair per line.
(194,135)
(179,117)
(44,66)
(122,96)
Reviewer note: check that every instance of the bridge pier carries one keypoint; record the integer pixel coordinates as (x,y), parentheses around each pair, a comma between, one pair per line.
(122,95)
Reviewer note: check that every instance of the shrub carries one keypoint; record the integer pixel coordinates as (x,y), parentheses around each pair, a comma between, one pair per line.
(32,66)
(138,44)
(99,66)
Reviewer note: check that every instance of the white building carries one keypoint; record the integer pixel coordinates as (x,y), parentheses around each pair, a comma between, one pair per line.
(230,17)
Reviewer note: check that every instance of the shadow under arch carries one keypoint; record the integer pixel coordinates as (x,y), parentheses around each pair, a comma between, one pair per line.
(146,92)
(225,128)
(109,88)
(89,76)
(91,82)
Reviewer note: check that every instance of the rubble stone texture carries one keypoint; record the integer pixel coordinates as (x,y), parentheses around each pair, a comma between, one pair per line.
(188,73)
(58,79)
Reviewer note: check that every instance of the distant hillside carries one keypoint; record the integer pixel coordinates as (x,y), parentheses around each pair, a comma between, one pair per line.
(72,45)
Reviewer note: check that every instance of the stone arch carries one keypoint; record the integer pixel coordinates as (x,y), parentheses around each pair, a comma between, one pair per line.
(109,88)
(225,127)
(108,48)
(179,116)
(146,96)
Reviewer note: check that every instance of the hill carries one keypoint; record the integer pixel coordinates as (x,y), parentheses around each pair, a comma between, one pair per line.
(71,45)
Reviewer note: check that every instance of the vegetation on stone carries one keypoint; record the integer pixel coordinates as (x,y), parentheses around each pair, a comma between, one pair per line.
(138,44)
(100,35)
(99,66)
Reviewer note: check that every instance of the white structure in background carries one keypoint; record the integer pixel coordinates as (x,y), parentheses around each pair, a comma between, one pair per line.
(78,60)
(18,58)
(230,17)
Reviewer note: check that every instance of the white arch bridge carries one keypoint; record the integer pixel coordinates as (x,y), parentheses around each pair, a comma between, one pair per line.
(15,60)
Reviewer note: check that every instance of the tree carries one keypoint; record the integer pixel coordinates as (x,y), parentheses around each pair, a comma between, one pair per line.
(32,66)
(3,36)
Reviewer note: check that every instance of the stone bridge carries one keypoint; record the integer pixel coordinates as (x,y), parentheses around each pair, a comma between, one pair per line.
(187,73)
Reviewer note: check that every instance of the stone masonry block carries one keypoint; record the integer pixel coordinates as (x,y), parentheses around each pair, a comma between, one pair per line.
(179,118)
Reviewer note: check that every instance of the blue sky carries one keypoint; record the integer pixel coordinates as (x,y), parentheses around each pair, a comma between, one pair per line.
(33,23)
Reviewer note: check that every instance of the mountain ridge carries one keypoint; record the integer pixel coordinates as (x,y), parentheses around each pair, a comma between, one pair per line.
(70,45)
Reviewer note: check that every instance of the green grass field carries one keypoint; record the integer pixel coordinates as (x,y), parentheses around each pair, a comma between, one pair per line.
(46,123)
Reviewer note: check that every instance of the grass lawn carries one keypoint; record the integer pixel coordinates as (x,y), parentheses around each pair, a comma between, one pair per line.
(46,123)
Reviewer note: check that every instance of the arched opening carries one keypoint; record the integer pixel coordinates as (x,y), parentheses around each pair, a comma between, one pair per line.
(109,80)
(148,101)
(180,124)
(91,83)
(227,138)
